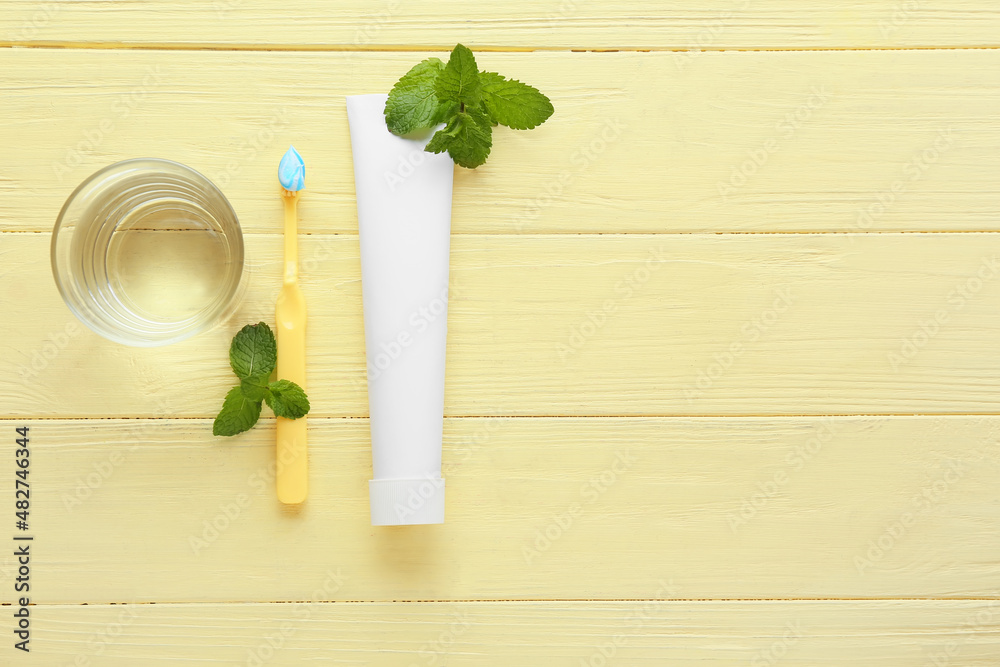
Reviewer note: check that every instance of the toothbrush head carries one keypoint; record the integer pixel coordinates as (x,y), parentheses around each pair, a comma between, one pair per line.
(292,171)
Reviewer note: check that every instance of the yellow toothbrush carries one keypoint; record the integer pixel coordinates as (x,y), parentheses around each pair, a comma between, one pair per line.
(290,315)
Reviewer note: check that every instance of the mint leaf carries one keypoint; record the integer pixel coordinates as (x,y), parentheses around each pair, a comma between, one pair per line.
(459,80)
(468,138)
(255,392)
(253,353)
(512,103)
(287,399)
(413,103)
(238,414)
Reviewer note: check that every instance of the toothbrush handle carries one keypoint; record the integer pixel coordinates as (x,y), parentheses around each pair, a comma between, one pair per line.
(292,461)
(292,472)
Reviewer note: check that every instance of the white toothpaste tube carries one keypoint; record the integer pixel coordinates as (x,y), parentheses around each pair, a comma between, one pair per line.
(404,224)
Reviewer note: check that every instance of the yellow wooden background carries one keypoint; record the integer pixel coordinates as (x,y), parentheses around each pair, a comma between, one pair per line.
(722,371)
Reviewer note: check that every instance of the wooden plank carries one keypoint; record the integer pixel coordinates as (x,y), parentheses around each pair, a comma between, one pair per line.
(640,142)
(551,24)
(574,325)
(890,633)
(850,507)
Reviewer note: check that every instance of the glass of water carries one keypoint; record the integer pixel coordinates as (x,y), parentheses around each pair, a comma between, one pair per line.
(148,252)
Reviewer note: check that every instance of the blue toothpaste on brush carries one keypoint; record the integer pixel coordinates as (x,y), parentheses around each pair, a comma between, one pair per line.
(292,171)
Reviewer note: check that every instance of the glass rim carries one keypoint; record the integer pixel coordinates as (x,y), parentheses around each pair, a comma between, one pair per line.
(97,318)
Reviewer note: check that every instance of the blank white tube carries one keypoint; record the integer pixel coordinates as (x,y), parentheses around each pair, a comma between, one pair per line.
(404,223)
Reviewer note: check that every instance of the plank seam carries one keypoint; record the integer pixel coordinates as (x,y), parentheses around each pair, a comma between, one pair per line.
(846,415)
(553,235)
(516,601)
(414,48)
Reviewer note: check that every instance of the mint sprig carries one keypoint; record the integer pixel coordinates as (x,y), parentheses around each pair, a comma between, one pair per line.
(415,101)
(469,102)
(512,103)
(253,355)
(459,80)
(239,413)
(286,399)
(467,137)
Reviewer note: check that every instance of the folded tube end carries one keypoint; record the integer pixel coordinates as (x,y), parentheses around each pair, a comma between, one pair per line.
(406,502)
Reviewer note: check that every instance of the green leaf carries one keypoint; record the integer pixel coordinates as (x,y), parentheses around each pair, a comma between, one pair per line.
(287,399)
(512,103)
(238,414)
(467,138)
(253,353)
(413,103)
(459,80)
(255,392)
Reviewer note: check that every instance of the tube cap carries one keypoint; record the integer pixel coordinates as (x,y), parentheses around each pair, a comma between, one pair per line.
(406,502)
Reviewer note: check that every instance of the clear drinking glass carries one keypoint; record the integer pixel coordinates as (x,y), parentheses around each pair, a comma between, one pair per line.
(148,252)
